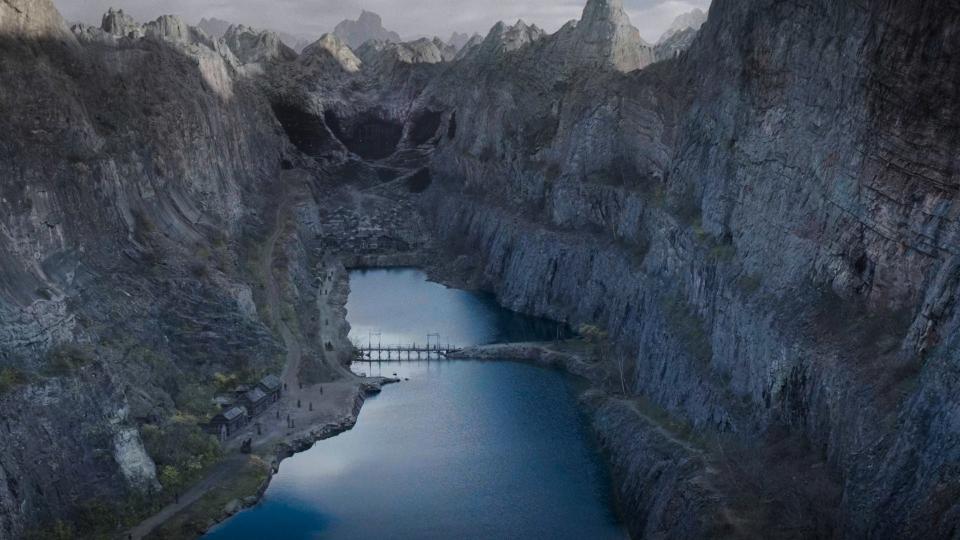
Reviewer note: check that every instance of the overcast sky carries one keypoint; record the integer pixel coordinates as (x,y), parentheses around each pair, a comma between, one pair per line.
(407,17)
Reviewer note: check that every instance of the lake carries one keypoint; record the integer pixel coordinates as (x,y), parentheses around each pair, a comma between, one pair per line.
(463,449)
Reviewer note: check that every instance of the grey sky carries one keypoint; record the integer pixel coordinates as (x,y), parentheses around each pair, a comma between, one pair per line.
(408,17)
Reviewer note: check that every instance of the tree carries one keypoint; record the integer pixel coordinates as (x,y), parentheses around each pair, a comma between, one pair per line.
(170,479)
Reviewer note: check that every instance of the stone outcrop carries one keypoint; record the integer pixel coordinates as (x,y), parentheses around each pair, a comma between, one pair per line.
(691,20)
(329,46)
(369,26)
(604,38)
(118,24)
(33,20)
(253,46)
(679,37)
(458,40)
(422,51)
(214,27)
(674,45)
(217,28)
(502,39)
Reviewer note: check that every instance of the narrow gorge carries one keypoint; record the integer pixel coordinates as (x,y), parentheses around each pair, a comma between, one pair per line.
(752,224)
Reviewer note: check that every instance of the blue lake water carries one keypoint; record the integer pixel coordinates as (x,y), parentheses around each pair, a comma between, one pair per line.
(462,450)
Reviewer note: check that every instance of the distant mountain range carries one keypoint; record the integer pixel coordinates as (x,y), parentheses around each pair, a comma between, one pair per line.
(369,26)
(218,28)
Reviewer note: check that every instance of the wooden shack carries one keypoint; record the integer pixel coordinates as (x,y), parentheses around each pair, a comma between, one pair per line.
(227,423)
(256,401)
(272,387)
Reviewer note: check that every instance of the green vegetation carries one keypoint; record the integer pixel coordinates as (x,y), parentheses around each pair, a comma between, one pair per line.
(688,327)
(100,519)
(66,360)
(11,378)
(749,283)
(170,479)
(672,424)
(59,530)
(723,252)
(195,399)
(193,521)
(181,450)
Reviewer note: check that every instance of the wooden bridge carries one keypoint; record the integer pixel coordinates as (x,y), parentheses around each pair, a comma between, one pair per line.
(383,353)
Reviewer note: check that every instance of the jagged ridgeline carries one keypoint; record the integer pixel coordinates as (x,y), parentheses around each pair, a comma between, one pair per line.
(761,213)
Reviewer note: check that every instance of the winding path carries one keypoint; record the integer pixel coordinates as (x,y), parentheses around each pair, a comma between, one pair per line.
(234,462)
(222,472)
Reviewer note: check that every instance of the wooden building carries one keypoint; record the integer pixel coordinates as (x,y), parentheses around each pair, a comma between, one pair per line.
(256,401)
(272,386)
(227,423)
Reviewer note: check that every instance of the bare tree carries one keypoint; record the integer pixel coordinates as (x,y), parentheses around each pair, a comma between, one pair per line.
(621,361)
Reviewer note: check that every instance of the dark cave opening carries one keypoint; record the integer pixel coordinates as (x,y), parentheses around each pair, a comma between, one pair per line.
(306,131)
(370,136)
(425,126)
(419,181)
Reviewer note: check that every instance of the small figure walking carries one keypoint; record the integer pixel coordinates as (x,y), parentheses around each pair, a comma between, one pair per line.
(311,406)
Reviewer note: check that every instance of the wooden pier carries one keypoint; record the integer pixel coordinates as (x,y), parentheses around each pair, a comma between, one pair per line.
(386,353)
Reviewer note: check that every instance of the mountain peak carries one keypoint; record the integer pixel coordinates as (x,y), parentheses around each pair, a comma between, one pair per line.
(605,37)
(32,18)
(329,46)
(250,45)
(690,20)
(369,26)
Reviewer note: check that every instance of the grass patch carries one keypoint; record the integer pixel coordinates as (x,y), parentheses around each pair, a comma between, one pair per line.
(194,520)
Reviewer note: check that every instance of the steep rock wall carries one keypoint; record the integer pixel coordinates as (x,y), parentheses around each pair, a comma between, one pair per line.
(762,223)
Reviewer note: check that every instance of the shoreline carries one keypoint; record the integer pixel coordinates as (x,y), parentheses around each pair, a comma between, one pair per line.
(619,425)
(302,442)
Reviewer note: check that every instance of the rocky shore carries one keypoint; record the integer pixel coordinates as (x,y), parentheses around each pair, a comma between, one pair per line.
(301,442)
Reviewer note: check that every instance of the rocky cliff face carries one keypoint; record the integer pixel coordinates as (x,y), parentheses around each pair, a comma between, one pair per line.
(764,229)
(253,46)
(766,225)
(139,161)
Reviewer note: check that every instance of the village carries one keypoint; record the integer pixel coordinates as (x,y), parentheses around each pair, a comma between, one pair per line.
(246,403)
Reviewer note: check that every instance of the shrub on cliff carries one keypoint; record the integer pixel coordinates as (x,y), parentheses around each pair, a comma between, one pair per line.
(181,445)
(67,359)
(10,378)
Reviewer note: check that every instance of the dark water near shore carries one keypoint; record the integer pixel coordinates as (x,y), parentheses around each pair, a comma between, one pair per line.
(462,450)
